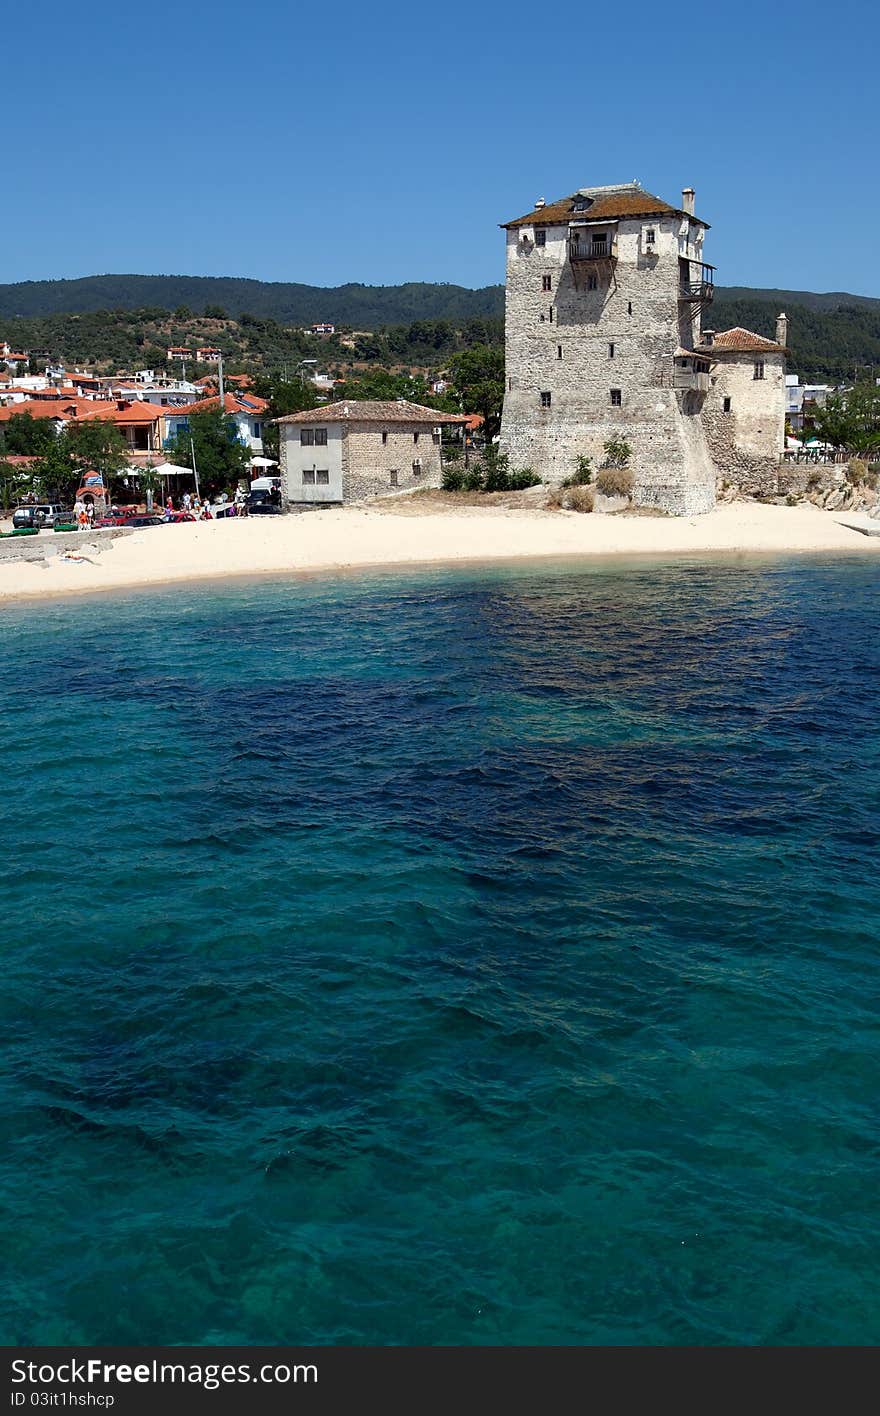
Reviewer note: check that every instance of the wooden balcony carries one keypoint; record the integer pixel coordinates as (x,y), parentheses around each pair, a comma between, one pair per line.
(691,380)
(696,290)
(592,249)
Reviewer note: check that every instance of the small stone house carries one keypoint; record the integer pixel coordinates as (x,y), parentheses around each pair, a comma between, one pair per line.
(345,451)
(744,411)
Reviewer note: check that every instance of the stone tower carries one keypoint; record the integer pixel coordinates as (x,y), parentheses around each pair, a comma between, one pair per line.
(603,303)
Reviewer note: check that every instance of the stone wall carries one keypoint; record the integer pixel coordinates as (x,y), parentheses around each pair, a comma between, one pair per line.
(578,344)
(747,441)
(369,458)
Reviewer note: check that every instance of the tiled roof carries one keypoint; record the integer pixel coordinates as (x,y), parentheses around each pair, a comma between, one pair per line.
(623,202)
(247,403)
(743,341)
(136,412)
(65,408)
(368,410)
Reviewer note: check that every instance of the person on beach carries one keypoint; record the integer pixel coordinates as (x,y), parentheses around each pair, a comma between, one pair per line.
(83,520)
(90,512)
(187,501)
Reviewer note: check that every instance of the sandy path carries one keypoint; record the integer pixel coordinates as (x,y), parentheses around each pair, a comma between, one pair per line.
(356,536)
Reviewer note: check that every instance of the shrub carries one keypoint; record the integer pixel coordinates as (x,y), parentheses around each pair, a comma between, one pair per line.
(615,482)
(583,472)
(523,477)
(453,478)
(856,471)
(578,499)
(617,452)
(472,479)
(496,470)
(791,499)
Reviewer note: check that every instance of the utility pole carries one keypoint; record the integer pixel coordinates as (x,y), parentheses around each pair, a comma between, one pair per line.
(192,448)
(220,382)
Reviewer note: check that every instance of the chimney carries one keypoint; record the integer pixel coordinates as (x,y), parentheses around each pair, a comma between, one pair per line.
(782,330)
(687,200)
(540,203)
(708,336)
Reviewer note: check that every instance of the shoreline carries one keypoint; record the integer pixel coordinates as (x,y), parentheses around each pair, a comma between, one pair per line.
(379,537)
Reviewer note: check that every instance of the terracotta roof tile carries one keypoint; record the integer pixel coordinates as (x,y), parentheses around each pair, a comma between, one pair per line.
(628,202)
(369,410)
(742,341)
(247,403)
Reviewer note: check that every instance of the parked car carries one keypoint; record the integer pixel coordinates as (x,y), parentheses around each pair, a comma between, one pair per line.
(173,517)
(263,508)
(38,514)
(141,519)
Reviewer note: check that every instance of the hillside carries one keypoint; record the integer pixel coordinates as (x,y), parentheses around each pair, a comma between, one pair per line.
(129,320)
(361,306)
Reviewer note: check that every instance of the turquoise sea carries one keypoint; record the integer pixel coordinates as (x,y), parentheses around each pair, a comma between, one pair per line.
(461,956)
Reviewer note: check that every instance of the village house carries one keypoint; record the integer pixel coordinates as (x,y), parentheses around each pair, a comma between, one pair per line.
(359,448)
(206,354)
(141,424)
(247,411)
(605,293)
(323,327)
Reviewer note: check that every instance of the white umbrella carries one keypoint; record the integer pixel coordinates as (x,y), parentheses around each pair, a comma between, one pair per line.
(263,462)
(171,469)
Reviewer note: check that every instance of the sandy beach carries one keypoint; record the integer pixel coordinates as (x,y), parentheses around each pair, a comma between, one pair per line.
(397,534)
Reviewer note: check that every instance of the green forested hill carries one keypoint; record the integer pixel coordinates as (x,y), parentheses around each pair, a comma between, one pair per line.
(361,306)
(126,319)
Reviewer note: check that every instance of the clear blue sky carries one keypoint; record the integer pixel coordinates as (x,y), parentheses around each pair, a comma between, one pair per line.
(384,142)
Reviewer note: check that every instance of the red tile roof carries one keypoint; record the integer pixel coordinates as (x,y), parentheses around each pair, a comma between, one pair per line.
(367,410)
(247,403)
(742,341)
(123,412)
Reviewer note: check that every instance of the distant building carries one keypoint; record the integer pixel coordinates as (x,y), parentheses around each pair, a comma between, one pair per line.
(803,399)
(247,411)
(323,328)
(208,355)
(176,351)
(359,448)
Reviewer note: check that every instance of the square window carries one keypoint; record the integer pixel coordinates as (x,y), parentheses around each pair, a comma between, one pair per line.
(320,437)
(546,282)
(307,437)
(727,405)
(308,476)
(546,400)
(615,398)
(322,477)
(649,236)
(392,477)
(540,238)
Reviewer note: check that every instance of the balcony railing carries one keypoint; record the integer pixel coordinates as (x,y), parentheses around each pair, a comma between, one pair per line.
(702,291)
(592,250)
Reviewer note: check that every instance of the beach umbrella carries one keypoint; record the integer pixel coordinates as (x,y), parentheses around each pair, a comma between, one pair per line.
(263,462)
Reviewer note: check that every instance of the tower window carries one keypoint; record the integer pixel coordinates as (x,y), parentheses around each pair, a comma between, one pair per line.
(629,307)
(615,398)
(540,238)
(415,437)
(550,315)
(509,384)
(726,405)
(649,236)
(559,351)
(392,478)
(545,400)
(546,282)
(610,351)
(759,368)
(384,439)
(592,282)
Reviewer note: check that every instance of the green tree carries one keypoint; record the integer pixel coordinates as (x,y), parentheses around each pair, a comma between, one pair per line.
(477,376)
(220,457)
(215,312)
(850,420)
(284,396)
(96,445)
(24,436)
